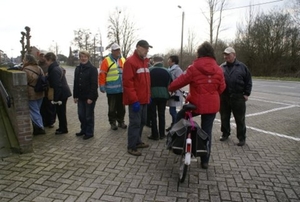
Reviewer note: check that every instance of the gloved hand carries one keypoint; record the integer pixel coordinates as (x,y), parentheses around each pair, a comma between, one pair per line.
(102,89)
(136,106)
(150,100)
(58,102)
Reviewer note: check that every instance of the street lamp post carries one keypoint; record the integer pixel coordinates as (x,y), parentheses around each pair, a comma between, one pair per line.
(182,28)
(56,47)
(12,57)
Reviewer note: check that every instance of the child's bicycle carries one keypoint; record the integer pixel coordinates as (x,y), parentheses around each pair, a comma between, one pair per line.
(187,139)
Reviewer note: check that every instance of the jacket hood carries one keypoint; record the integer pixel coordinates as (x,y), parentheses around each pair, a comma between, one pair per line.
(206,65)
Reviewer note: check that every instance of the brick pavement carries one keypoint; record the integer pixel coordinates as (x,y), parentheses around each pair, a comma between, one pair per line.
(68,168)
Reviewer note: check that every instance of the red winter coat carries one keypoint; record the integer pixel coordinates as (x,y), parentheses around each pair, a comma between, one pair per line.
(136,80)
(206,81)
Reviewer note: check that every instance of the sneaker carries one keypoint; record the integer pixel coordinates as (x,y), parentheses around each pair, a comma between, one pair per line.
(113,127)
(122,125)
(142,145)
(134,152)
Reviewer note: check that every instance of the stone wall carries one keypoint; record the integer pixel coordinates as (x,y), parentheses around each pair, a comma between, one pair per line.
(15,83)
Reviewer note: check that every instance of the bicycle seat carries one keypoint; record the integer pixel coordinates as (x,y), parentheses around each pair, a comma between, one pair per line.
(189,106)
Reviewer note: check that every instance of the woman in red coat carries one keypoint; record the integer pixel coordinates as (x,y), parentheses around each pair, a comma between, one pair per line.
(206,83)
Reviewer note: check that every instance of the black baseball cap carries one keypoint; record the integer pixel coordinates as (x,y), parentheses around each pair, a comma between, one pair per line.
(144,44)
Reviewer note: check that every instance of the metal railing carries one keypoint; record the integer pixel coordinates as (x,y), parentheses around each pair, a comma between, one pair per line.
(5,94)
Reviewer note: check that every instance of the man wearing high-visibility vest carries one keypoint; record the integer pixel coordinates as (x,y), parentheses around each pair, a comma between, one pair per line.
(110,82)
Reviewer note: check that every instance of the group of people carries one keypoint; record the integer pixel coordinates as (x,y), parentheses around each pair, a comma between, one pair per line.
(43,111)
(212,89)
(146,89)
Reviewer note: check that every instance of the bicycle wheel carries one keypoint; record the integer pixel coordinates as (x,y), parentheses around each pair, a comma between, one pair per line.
(182,169)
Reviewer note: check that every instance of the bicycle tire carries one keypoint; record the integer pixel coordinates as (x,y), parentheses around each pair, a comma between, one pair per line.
(182,169)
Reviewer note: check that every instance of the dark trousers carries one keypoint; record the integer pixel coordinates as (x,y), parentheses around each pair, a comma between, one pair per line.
(236,104)
(116,109)
(207,121)
(158,107)
(61,111)
(148,122)
(48,112)
(86,117)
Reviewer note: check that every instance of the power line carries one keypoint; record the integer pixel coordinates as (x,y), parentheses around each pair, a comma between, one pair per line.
(258,4)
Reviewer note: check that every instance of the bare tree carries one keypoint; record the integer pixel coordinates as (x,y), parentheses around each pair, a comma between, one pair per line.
(121,30)
(192,42)
(295,10)
(215,8)
(83,39)
(270,45)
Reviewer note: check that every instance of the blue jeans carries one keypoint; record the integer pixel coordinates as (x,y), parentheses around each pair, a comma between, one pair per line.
(137,120)
(86,117)
(207,121)
(173,114)
(34,111)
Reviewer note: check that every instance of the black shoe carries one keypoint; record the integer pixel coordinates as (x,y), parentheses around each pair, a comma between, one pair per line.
(223,138)
(85,137)
(113,127)
(204,165)
(168,129)
(39,131)
(49,125)
(122,125)
(59,132)
(241,143)
(162,137)
(79,134)
(152,138)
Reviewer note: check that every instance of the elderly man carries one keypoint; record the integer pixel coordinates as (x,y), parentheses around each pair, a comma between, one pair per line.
(160,80)
(136,83)
(233,99)
(110,81)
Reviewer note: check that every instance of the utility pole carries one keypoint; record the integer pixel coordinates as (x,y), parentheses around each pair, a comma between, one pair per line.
(182,28)
(94,51)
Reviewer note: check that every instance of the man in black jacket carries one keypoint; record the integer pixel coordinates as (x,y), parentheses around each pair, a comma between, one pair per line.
(233,99)
(85,94)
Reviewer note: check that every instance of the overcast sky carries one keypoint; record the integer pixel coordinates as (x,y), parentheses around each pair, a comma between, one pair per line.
(159,21)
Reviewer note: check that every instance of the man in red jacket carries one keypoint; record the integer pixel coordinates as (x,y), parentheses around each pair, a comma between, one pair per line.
(136,94)
(207,82)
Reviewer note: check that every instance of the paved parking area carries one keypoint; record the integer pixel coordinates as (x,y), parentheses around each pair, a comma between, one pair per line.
(68,168)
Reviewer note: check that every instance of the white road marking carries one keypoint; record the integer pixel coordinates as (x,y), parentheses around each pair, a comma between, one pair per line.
(268,111)
(288,106)
(273,102)
(264,131)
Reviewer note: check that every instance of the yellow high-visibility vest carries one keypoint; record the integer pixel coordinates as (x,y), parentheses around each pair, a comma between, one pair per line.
(113,73)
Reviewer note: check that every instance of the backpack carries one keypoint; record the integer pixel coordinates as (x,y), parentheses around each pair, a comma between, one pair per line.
(41,84)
